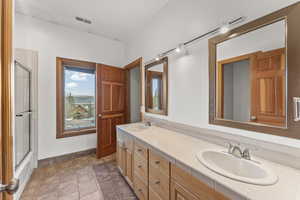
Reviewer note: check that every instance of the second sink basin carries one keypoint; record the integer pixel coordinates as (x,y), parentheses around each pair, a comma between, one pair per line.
(235,168)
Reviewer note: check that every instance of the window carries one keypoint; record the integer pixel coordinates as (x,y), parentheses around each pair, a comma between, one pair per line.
(76,97)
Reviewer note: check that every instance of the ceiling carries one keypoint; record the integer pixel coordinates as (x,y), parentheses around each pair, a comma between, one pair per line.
(115,19)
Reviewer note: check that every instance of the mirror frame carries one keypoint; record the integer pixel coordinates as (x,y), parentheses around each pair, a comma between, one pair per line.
(164,110)
(292,15)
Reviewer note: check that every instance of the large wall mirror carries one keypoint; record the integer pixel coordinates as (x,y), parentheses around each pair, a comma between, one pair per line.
(157,87)
(252,75)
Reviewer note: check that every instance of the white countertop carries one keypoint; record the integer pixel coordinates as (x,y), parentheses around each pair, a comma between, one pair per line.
(183,149)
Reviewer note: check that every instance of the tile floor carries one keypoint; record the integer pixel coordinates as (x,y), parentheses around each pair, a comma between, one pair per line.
(74,179)
(112,184)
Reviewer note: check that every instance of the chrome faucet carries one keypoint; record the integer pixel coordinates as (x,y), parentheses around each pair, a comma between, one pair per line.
(246,154)
(237,151)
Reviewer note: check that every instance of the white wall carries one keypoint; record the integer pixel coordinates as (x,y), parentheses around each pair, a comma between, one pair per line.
(51,40)
(264,39)
(188,75)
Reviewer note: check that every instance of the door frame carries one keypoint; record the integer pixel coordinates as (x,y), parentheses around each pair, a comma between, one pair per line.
(6,152)
(220,79)
(136,63)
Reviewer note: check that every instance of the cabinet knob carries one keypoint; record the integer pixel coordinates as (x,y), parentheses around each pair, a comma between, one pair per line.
(157,162)
(157,182)
(139,166)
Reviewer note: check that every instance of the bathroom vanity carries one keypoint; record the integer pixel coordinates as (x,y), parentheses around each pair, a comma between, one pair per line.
(160,164)
(153,176)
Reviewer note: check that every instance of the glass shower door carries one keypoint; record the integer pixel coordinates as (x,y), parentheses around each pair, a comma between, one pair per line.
(22,112)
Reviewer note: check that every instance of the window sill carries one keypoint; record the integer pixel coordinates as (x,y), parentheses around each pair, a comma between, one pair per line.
(75,133)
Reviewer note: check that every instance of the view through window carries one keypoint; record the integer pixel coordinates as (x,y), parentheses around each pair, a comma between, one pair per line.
(79,98)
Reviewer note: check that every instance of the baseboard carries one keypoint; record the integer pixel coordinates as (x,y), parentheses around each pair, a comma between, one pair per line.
(50,161)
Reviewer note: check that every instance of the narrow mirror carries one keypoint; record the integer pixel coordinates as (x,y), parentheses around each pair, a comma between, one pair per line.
(156,87)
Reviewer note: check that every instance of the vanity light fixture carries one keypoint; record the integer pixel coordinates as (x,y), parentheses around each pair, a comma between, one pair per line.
(179,48)
(84,20)
(225,28)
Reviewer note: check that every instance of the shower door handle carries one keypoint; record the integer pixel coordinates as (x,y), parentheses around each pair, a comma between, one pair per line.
(11,188)
(23,113)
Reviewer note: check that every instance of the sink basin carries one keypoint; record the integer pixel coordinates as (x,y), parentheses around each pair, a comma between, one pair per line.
(238,169)
(137,127)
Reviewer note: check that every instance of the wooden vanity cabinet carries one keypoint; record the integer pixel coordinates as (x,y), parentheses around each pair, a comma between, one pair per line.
(153,177)
(184,186)
(178,192)
(151,174)
(121,158)
(125,158)
(129,165)
(140,171)
(159,177)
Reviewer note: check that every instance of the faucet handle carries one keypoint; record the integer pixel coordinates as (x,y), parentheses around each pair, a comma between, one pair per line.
(230,146)
(247,151)
(246,154)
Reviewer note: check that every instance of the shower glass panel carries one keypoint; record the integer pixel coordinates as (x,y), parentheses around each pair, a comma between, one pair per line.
(22,112)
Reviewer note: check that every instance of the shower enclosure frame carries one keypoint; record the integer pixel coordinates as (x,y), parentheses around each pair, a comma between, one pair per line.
(29,112)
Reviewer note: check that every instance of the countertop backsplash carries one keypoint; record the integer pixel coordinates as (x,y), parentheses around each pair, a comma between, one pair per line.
(281,154)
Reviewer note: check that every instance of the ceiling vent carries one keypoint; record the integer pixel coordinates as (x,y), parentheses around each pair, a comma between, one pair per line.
(83,20)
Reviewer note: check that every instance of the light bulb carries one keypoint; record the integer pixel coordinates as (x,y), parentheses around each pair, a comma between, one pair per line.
(179,48)
(157,58)
(224,29)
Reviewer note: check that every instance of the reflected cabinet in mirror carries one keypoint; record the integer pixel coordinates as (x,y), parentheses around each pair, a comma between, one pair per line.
(157,87)
(253,82)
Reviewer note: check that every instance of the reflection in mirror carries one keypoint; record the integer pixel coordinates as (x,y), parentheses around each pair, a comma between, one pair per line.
(251,77)
(156,87)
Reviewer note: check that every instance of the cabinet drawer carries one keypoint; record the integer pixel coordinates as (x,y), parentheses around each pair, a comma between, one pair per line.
(194,185)
(140,167)
(141,150)
(153,195)
(159,183)
(158,161)
(140,188)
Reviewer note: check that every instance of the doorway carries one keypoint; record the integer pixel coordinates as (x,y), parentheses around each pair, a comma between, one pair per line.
(134,91)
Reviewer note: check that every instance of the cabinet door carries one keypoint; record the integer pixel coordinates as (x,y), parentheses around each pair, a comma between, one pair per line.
(179,193)
(121,159)
(129,165)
